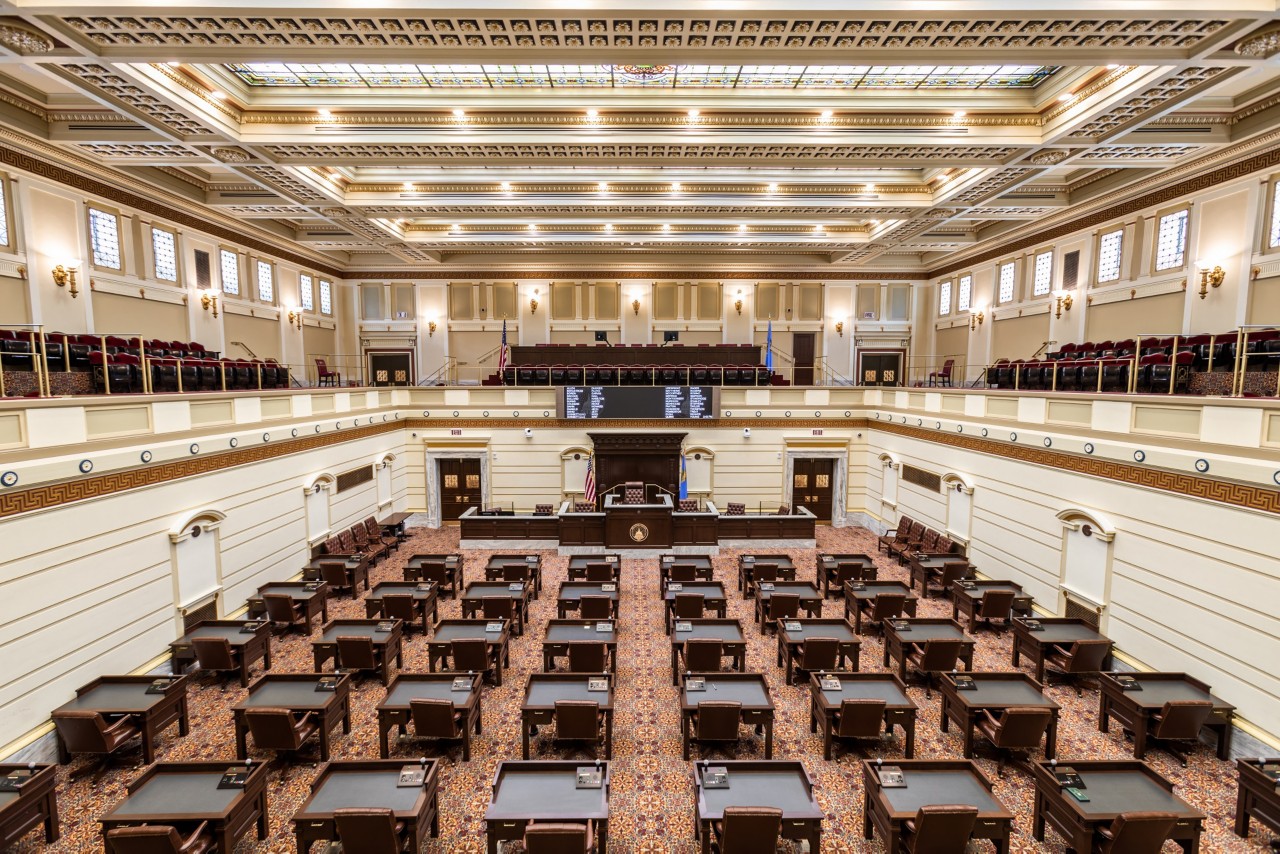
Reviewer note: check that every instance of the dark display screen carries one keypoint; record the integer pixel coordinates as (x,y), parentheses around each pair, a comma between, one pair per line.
(674,401)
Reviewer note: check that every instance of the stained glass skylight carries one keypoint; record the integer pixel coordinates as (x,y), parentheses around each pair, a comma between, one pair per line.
(1006,282)
(377,76)
(1109,256)
(1171,242)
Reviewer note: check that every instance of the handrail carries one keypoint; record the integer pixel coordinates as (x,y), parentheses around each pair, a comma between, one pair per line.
(245,347)
(39,357)
(449,370)
(1043,345)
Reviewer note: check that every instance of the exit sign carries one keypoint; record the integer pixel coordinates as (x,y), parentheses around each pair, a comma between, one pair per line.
(456,431)
(817,432)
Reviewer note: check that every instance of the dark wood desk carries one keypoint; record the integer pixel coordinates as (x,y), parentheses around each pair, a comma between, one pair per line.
(732,355)
(393,525)
(473,600)
(929,567)
(1113,787)
(571,593)
(35,803)
(733,643)
(701,565)
(355,570)
(395,711)
(751,526)
(561,633)
(811,599)
(712,593)
(313,596)
(1054,631)
(793,632)
(1258,795)
(531,564)
(783,785)
(995,692)
(861,596)
(544,791)
(543,690)
(297,693)
(522,527)
(187,793)
(898,642)
(695,528)
(1133,709)
(448,631)
(967,595)
(747,564)
(363,783)
(835,569)
(425,601)
(931,782)
(638,526)
(582,529)
(251,645)
(453,570)
(899,710)
(578,566)
(325,647)
(121,696)
(749,689)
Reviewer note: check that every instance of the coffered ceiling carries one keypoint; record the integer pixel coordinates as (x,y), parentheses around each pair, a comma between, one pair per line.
(769,135)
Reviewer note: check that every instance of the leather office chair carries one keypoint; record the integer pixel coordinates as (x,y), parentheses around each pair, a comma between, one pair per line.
(557,838)
(767,572)
(735,508)
(370,830)
(633,492)
(279,730)
(701,655)
(815,654)
(584,507)
(689,606)
(1134,833)
(334,574)
(716,722)
(952,571)
(595,608)
(847,571)
(501,608)
(858,719)
(373,546)
(437,574)
(438,719)
(88,732)
(682,572)
(934,656)
(401,606)
(588,657)
(1180,722)
(358,653)
(472,655)
(747,830)
(1014,734)
(782,606)
(600,572)
(885,606)
(158,839)
(994,605)
(580,721)
(1072,665)
(897,535)
(374,530)
(512,573)
(285,614)
(217,656)
(939,829)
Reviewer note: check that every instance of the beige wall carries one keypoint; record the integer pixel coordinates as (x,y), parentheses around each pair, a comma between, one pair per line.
(149,317)
(1264,301)
(951,343)
(1018,337)
(1129,318)
(260,334)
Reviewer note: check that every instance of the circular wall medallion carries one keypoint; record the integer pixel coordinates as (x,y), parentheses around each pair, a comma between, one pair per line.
(1048,443)
(847,413)
(959,428)
(515,414)
(294,432)
(485,413)
(234,442)
(195,448)
(1013,437)
(817,414)
(787,413)
(728,413)
(9,478)
(266,437)
(426,413)
(145,456)
(1088,447)
(639,532)
(985,432)
(757,413)
(1139,455)
(1202,466)
(86,466)
(455,413)
(546,413)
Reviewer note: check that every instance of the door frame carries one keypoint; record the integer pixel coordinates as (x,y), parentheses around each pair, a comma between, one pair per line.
(900,352)
(832,486)
(839,514)
(433,456)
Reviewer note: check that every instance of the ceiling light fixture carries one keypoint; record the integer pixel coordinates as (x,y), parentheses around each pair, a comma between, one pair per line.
(603,187)
(1113,65)
(455,227)
(958,114)
(533,227)
(324,112)
(819,228)
(693,114)
(408,186)
(506,187)
(608,226)
(666,227)
(1066,96)
(591,114)
(742,227)
(869,188)
(826,114)
(675,186)
(217,96)
(459,113)
(773,188)
(173,64)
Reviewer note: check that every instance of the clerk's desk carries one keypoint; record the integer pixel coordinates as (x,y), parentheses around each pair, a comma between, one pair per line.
(638,526)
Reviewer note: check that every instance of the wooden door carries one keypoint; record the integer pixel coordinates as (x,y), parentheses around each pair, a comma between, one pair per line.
(460,487)
(880,368)
(813,486)
(802,349)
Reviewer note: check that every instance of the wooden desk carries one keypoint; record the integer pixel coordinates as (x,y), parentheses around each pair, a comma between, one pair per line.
(187,793)
(251,645)
(712,592)
(811,599)
(1113,787)
(452,564)
(425,603)
(394,525)
(325,647)
(523,527)
(751,526)
(695,528)
(532,564)
(747,564)
(355,570)
(358,783)
(918,632)
(1055,631)
(473,600)
(571,593)
(783,784)
(749,689)
(544,791)
(395,711)
(297,693)
(932,782)
(995,692)
(1134,708)
(899,710)
(578,566)
(701,565)
(35,803)
(638,526)
(581,529)
(925,568)
(967,595)
(561,633)
(1258,795)
(127,696)
(861,596)
(733,643)
(791,641)
(447,631)
(835,569)
(312,595)
(543,690)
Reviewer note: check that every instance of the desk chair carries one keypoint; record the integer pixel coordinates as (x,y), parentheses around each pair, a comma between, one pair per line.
(1074,664)
(439,576)
(599,572)
(595,608)
(588,657)
(280,730)
(358,653)
(1015,733)
(851,572)
(747,830)
(334,574)
(580,721)
(716,722)
(158,839)
(1179,722)
(939,829)
(633,492)
(815,654)
(782,606)
(994,605)
(502,608)
(858,719)
(897,535)
(374,530)
(1135,833)
(438,719)
(472,655)
(400,606)
(885,606)
(682,573)
(370,831)
(369,544)
(285,614)
(701,655)
(556,838)
(513,572)
(764,572)
(689,606)
(218,657)
(952,571)
(935,656)
(88,732)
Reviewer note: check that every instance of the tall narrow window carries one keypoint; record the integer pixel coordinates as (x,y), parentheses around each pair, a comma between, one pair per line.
(964,293)
(1275,216)
(104,237)
(1006,282)
(4,215)
(165,252)
(230,264)
(266,282)
(1171,241)
(306,293)
(1044,274)
(1109,256)
(326,297)
(944,298)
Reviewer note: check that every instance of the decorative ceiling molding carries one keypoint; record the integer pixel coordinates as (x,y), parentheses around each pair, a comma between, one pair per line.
(696,273)
(23,40)
(1263,44)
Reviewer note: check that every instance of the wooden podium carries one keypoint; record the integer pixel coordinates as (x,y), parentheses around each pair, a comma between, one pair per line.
(637,526)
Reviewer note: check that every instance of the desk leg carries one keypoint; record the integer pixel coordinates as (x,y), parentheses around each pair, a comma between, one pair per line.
(52,829)
(524,738)
(910,729)
(1140,736)
(686,731)
(768,739)
(303,845)
(148,741)
(944,722)
(1037,816)
(384,748)
(608,735)
(491,841)
(466,741)
(866,819)
(1051,739)
(1244,802)
(242,746)
(1224,740)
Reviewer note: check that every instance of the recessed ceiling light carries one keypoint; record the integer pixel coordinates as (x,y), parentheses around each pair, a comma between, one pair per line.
(455,227)
(958,114)
(459,113)
(608,226)
(693,114)
(324,112)
(173,64)
(666,227)
(506,187)
(217,95)
(603,186)
(1065,96)
(819,228)
(591,114)
(874,222)
(773,188)
(533,227)
(408,186)
(826,114)
(742,227)
(1113,65)
(675,186)
(869,188)
(944,178)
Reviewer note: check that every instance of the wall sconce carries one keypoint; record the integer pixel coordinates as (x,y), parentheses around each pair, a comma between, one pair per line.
(66,276)
(1208,277)
(295,317)
(635,306)
(738,303)
(209,300)
(840,328)
(431,328)
(533,302)
(976,318)
(1063,303)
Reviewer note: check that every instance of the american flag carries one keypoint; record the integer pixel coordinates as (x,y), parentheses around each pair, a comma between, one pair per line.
(590,488)
(503,350)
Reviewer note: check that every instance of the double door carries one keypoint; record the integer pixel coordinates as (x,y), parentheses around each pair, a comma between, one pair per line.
(813,486)
(880,368)
(460,487)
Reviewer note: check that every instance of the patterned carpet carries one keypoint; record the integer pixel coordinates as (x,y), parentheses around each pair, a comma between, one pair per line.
(652,796)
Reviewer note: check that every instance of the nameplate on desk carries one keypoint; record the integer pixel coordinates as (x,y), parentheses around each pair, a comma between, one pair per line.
(425,587)
(234,778)
(597,683)
(675,586)
(715,777)
(1271,770)
(1077,793)
(1067,777)
(604,627)
(12,782)
(748,559)
(964,683)
(411,776)
(826,558)
(608,587)
(589,778)
(684,627)
(792,625)
(530,558)
(495,626)
(695,684)
(857,585)
(966,585)
(159,686)
(1128,683)
(461,683)
(613,558)
(829,683)
(516,586)
(891,777)
(766,586)
(252,627)
(327,683)
(312,586)
(1033,625)
(385,626)
(900,625)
